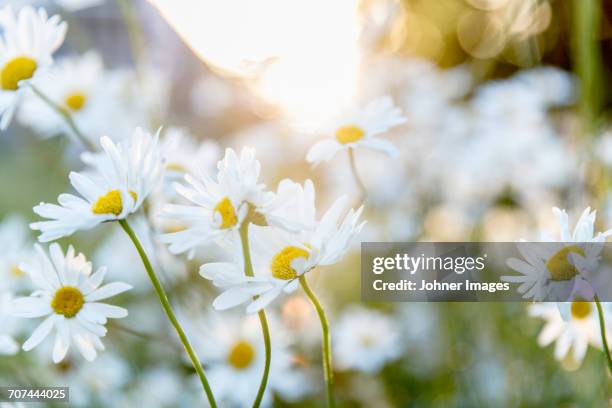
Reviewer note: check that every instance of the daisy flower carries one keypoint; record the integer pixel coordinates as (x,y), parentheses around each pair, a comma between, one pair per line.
(365,340)
(122,178)
(8,345)
(220,206)
(572,336)
(78,85)
(560,270)
(358,127)
(280,258)
(27,44)
(68,295)
(233,348)
(16,248)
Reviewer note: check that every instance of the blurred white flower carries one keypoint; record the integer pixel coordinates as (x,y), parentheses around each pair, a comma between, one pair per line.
(68,295)
(555,86)
(280,258)
(560,270)
(16,248)
(28,42)
(234,350)
(8,345)
(117,252)
(358,127)
(159,387)
(573,335)
(122,179)
(365,340)
(79,85)
(186,155)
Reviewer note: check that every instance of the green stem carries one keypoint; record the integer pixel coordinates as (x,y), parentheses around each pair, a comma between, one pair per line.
(587,59)
(602,328)
(363,191)
(327,353)
(163,299)
(63,112)
(248,271)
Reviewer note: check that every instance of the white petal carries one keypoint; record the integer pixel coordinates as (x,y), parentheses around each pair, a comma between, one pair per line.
(40,333)
(30,307)
(107,291)
(85,346)
(264,300)
(324,150)
(62,341)
(110,311)
(231,298)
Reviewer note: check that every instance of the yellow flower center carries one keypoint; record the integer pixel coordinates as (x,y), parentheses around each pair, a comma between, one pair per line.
(580,310)
(559,267)
(226,210)
(75,101)
(16,272)
(111,203)
(281,263)
(16,70)
(67,301)
(241,355)
(349,134)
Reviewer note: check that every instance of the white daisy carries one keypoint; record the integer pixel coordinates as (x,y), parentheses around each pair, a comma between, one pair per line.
(234,350)
(8,345)
(280,258)
(68,296)
(560,270)
(220,206)
(27,43)
(365,340)
(358,127)
(123,178)
(79,85)
(573,335)
(16,248)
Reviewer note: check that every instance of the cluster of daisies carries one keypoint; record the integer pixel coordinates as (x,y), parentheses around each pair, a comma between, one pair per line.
(172,185)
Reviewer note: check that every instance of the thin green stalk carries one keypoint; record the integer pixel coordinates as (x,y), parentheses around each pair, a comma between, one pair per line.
(602,329)
(326,339)
(63,112)
(163,299)
(587,60)
(248,271)
(363,191)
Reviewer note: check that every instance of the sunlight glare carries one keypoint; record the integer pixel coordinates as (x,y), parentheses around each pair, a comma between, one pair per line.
(301,56)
